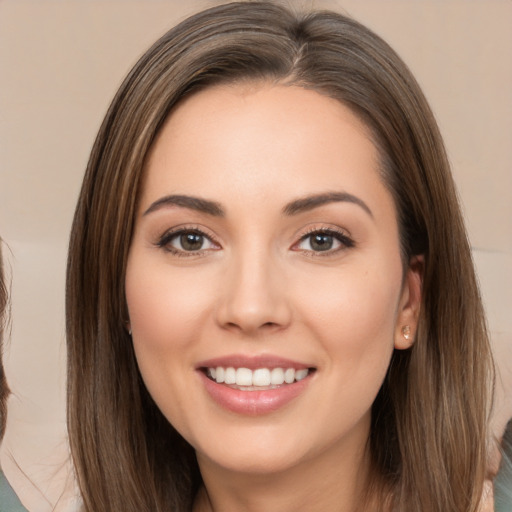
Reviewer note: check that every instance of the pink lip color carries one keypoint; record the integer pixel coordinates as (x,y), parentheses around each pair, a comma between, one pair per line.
(252,362)
(252,402)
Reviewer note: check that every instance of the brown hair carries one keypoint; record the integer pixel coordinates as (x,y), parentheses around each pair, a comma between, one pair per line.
(429,421)
(4,389)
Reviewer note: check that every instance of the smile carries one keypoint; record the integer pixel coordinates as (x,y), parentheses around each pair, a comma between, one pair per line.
(254,385)
(246,379)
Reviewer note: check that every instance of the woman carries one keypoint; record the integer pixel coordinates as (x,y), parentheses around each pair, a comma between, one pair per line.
(271,301)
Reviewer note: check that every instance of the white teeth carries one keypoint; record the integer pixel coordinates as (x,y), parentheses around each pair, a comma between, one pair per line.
(262,377)
(301,374)
(277,376)
(289,375)
(230,376)
(243,377)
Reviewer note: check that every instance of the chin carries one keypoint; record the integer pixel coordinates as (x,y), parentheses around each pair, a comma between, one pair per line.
(255,463)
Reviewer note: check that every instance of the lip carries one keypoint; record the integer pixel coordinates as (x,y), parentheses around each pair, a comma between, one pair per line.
(254,402)
(252,362)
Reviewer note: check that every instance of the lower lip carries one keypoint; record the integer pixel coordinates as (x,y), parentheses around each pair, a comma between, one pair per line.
(253,402)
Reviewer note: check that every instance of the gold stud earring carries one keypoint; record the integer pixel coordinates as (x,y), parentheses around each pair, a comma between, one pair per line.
(406,332)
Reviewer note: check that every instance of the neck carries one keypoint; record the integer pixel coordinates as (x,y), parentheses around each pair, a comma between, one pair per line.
(333,482)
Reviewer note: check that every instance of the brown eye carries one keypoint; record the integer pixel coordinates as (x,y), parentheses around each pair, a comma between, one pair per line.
(191,241)
(186,241)
(324,241)
(321,242)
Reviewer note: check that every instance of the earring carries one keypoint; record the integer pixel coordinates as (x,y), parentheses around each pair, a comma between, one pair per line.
(129,332)
(406,332)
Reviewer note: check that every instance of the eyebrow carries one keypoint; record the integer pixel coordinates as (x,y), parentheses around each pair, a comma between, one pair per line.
(192,203)
(295,207)
(307,203)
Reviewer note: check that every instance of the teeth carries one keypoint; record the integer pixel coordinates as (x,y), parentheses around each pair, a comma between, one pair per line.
(289,375)
(262,377)
(230,376)
(301,374)
(243,377)
(277,376)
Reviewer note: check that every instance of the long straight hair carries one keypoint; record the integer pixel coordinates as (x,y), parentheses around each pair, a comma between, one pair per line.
(429,421)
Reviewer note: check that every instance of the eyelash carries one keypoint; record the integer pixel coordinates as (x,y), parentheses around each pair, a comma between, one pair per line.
(164,241)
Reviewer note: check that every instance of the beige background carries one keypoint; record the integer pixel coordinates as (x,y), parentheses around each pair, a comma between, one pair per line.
(60,64)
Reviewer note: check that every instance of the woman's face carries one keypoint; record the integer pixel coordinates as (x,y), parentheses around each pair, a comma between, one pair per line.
(265,287)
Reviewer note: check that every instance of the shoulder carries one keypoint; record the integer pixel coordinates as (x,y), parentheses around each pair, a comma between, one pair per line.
(503,480)
(9,502)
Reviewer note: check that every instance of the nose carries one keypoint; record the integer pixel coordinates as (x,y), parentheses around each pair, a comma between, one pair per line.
(254,299)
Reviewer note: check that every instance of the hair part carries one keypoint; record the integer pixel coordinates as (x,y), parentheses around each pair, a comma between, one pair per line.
(429,421)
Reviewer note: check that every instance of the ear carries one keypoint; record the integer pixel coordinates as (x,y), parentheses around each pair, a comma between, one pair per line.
(410,304)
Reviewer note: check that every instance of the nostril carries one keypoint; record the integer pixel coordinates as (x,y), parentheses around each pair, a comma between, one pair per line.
(241,326)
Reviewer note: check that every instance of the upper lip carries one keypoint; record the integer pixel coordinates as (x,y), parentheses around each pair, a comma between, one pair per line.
(253,362)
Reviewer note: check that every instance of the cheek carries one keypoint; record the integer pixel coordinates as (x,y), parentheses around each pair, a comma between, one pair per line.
(165,310)
(164,307)
(353,314)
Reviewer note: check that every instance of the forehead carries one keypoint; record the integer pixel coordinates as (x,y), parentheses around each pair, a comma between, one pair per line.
(263,137)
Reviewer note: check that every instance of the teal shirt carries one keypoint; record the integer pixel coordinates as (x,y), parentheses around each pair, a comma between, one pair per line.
(9,502)
(503,481)
(503,488)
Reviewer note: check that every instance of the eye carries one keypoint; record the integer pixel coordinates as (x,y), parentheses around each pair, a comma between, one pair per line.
(324,240)
(186,241)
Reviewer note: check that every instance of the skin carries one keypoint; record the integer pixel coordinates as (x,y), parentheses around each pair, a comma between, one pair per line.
(257,287)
